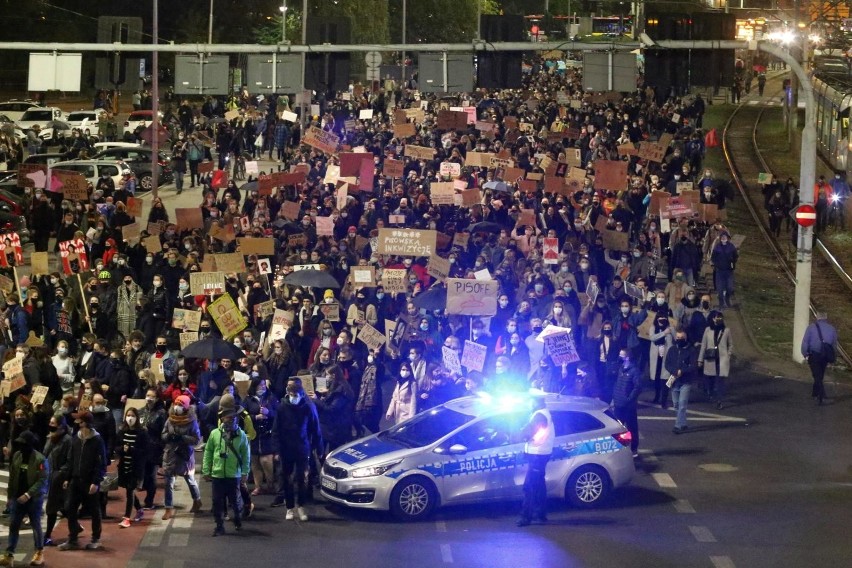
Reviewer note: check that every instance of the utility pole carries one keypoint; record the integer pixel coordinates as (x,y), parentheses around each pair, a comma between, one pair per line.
(793,98)
(210,24)
(404,21)
(305,106)
(155,103)
(284,22)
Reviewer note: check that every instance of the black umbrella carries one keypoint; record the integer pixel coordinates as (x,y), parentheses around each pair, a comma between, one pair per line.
(432,299)
(311,279)
(212,348)
(249,186)
(485,227)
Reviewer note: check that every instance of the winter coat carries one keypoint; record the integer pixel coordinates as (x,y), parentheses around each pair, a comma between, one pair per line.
(226,458)
(131,463)
(87,460)
(721,366)
(654,350)
(126,307)
(297,429)
(154,420)
(724,256)
(336,414)
(627,386)
(684,359)
(180,435)
(403,404)
(66,372)
(34,482)
(263,443)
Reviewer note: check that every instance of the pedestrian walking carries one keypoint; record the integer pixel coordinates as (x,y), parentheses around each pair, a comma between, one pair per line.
(819,347)
(180,435)
(132,451)
(28,479)
(682,364)
(714,357)
(226,465)
(724,259)
(56,449)
(539,434)
(83,474)
(625,397)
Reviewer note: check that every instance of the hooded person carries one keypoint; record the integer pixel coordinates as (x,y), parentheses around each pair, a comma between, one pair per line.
(180,436)
(226,463)
(228,408)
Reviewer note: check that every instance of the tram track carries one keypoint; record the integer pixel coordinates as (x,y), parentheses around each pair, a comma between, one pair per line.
(739,138)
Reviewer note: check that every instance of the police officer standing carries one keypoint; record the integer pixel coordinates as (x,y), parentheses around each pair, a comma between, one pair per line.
(539,434)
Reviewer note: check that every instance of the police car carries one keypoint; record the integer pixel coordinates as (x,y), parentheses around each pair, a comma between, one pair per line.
(470,450)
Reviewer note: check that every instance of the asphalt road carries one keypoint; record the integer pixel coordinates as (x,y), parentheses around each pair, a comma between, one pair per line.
(764,482)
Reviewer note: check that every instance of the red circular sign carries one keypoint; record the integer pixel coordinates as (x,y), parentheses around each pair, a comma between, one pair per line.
(805,215)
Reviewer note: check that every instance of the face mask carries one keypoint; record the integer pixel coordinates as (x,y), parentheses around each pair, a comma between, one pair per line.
(370,359)
(504,303)
(183,287)
(539,288)
(404,374)
(340,341)
(179,410)
(20,421)
(62,351)
(537,328)
(705,305)
(131,421)
(452,261)
(625,310)
(52,429)
(681,342)
(99,408)
(238,344)
(294,399)
(149,259)
(424,327)
(607,332)
(584,265)
(661,301)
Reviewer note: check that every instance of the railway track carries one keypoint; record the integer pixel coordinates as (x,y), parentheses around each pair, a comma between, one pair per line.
(830,282)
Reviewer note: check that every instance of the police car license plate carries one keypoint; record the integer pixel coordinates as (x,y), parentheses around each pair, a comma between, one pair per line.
(329,484)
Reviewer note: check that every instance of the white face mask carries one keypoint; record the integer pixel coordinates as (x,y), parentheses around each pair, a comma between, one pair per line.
(340,341)
(370,359)
(294,399)
(131,421)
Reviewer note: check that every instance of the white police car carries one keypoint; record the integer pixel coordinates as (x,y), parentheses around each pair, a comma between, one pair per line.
(470,450)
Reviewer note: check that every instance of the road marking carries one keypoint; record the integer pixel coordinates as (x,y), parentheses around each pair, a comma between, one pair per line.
(753,102)
(664,480)
(702,534)
(154,535)
(446,554)
(722,562)
(693,415)
(648,456)
(183,521)
(683,506)
(178,539)
(441,526)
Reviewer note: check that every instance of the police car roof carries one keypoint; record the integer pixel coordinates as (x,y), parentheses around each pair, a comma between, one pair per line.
(485,403)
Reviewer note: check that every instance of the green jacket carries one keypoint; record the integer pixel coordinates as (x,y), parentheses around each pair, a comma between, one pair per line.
(38,472)
(235,463)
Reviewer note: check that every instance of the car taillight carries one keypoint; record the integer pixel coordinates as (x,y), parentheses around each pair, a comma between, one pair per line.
(624,438)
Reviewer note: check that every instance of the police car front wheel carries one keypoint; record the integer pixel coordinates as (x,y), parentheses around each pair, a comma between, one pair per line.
(588,486)
(413,499)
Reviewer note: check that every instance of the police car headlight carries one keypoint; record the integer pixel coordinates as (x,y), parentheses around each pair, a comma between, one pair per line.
(373,471)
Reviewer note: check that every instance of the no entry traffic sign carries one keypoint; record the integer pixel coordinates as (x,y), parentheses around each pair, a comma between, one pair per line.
(805,215)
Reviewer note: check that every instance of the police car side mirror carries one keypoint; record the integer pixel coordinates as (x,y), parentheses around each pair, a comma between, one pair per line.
(457,449)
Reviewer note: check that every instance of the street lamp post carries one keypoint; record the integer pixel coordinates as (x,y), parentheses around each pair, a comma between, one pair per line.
(155,103)
(404,11)
(283,9)
(210,25)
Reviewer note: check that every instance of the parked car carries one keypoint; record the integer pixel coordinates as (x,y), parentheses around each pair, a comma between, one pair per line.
(138,118)
(94,169)
(139,160)
(15,109)
(47,159)
(85,120)
(40,116)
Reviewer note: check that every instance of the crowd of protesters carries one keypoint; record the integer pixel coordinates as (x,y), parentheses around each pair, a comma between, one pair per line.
(646,316)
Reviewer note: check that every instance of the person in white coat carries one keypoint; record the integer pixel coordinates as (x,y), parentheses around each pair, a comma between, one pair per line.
(715,357)
(403,404)
(64,365)
(662,335)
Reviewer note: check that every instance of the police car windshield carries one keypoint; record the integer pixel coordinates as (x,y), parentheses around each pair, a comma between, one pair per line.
(427,428)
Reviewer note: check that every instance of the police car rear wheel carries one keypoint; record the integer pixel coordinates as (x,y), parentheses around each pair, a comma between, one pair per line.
(413,499)
(587,487)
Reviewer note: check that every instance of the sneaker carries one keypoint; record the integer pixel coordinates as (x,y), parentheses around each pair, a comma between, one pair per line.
(291,514)
(303,516)
(38,558)
(140,514)
(170,512)
(94,545)
(70,545)
(277,502)
(49,542)
(219,531)
(8,559)
(196,506)
(125,523)
(227,516)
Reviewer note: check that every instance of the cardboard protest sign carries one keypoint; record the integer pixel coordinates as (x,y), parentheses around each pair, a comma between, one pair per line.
(366,175)
(131,232)
(32,175)
(39,263)
(186,319)
(550,250)
(461,240)
(74,184)
(394,280)
(473,355)
(187,338)
(38,395)
(256,245)
(676,208)
(152,244)
(527,217)
(610,175)
(438,268)
(265,309)
(393,168)
(206,283)
(764,178)
(450,360)
(371,337)
(472,297)
(230,262)
(189,218)
(396,219)
(325,226)
(561,348)
(651,151)
(291,210)
(442,193)
(527,185)
(479,159)
(682,186)
(350,162)
(321,140)
(615,240)
(627,149)
(450,169)
(363,276)
(365,114)
(452,120)
(419,152)
(471,197)
(227,317)
(404,130)
(407,242)
(13,370)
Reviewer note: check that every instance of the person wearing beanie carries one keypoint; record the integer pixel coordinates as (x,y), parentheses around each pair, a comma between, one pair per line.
(180,435)
(226,463)
(228,407)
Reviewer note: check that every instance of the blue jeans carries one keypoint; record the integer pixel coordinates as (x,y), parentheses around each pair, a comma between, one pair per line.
(178,180)
(31,509)
(724,286)
(170,488)
(680,399)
